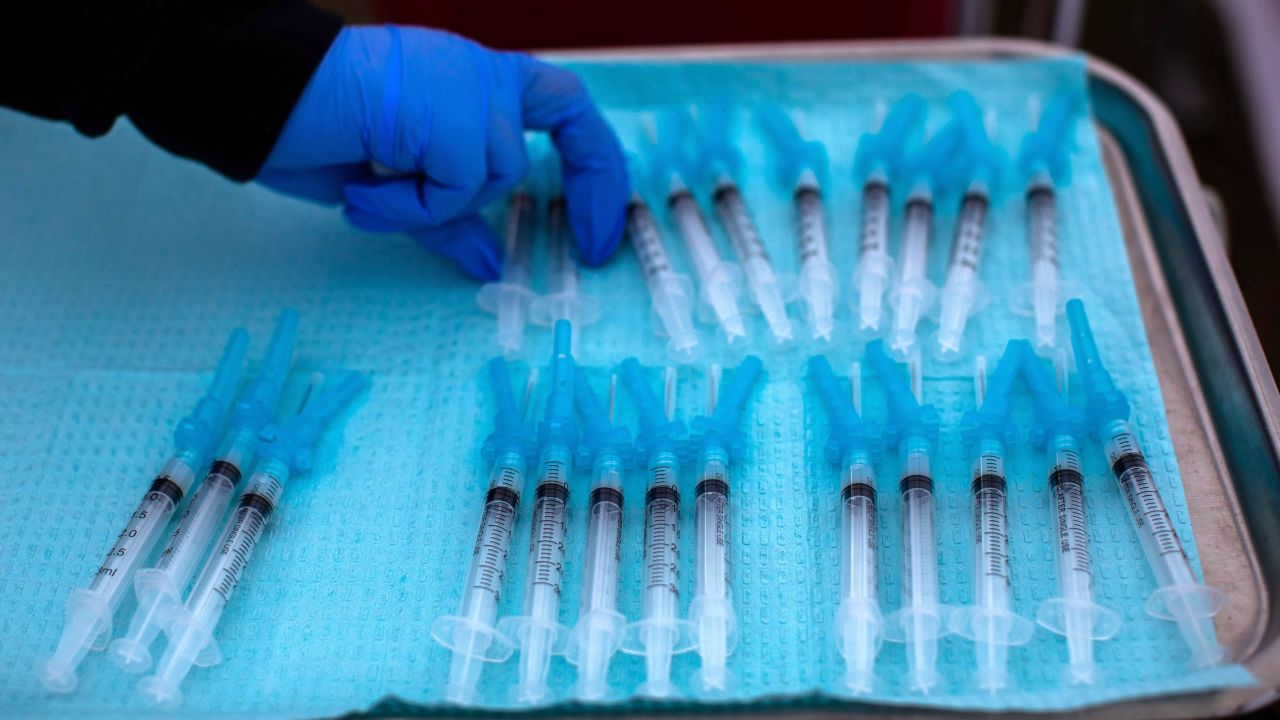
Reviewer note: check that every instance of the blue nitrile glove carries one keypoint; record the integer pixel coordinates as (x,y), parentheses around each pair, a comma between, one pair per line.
(444,119)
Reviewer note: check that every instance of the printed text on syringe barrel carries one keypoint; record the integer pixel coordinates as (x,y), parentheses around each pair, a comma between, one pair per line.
(1136,482)
(252,512)
(966,249)
(990,526)
(548,529)
(875,219)
(662,506)
(489,556)
(139,535)
(811,238)
(1067,485)
(222,474)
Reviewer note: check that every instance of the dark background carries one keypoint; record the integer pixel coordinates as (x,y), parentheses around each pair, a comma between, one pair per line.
(1192,53)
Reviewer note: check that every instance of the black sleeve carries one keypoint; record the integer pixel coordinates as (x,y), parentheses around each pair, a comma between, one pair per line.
(211,80)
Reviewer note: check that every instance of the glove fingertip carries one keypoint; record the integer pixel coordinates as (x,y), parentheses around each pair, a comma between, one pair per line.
(602,235)
(597,203)
(482,266)
(478,254)
(469,242)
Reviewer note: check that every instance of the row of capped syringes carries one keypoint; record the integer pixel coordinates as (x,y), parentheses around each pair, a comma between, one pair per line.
(960,162)
(213,534)
(989,621)
(476,636)
(577,431)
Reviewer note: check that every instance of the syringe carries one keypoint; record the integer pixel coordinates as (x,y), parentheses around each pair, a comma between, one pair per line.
(537,632)
(717,442)
(923,619)
(913,294)
(471,634)
(160,588)
(286,450)
(606,449)
(509,299)
(661,633)
(719,282)
(1181,597)
(564,299)
(1046,164)
(990,621)
(90,610)
(719,163)
(878,164)
(670,293)
(803,166)
(852,445)
(977,165)
(1073,614)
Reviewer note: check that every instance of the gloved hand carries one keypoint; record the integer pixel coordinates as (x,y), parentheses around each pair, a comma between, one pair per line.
(447,118)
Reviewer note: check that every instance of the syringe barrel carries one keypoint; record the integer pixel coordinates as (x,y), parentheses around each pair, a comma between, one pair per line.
(669,293)
(1066,485)
(693,230)
(874,236)
(1044,301)
(921,615)
(960,290)
(914,294)
(1156,533)
(545,569)
(763,283)
(990,527)
(646,241)
(966,244)
(1042,234)
(766,292)
(919,538)
(914,261)
(817,285)
(871,276)
(604,538)
(858,536)
(811,226)
(738,224)
(662,538)
(717,280)
(1042,225)
(159,589)
(912,301)
(517,262)
(562,278)
(88,623)
(190,539)
(134,544)
(712,608)
(537,630)
(817,279)
(493,540)
(712,524)
(512,306)
(221,573)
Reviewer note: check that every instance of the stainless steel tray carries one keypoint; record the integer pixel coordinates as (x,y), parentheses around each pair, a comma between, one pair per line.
(1223,407)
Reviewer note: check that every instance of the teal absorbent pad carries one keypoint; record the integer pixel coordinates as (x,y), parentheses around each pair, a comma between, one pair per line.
(125,268)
